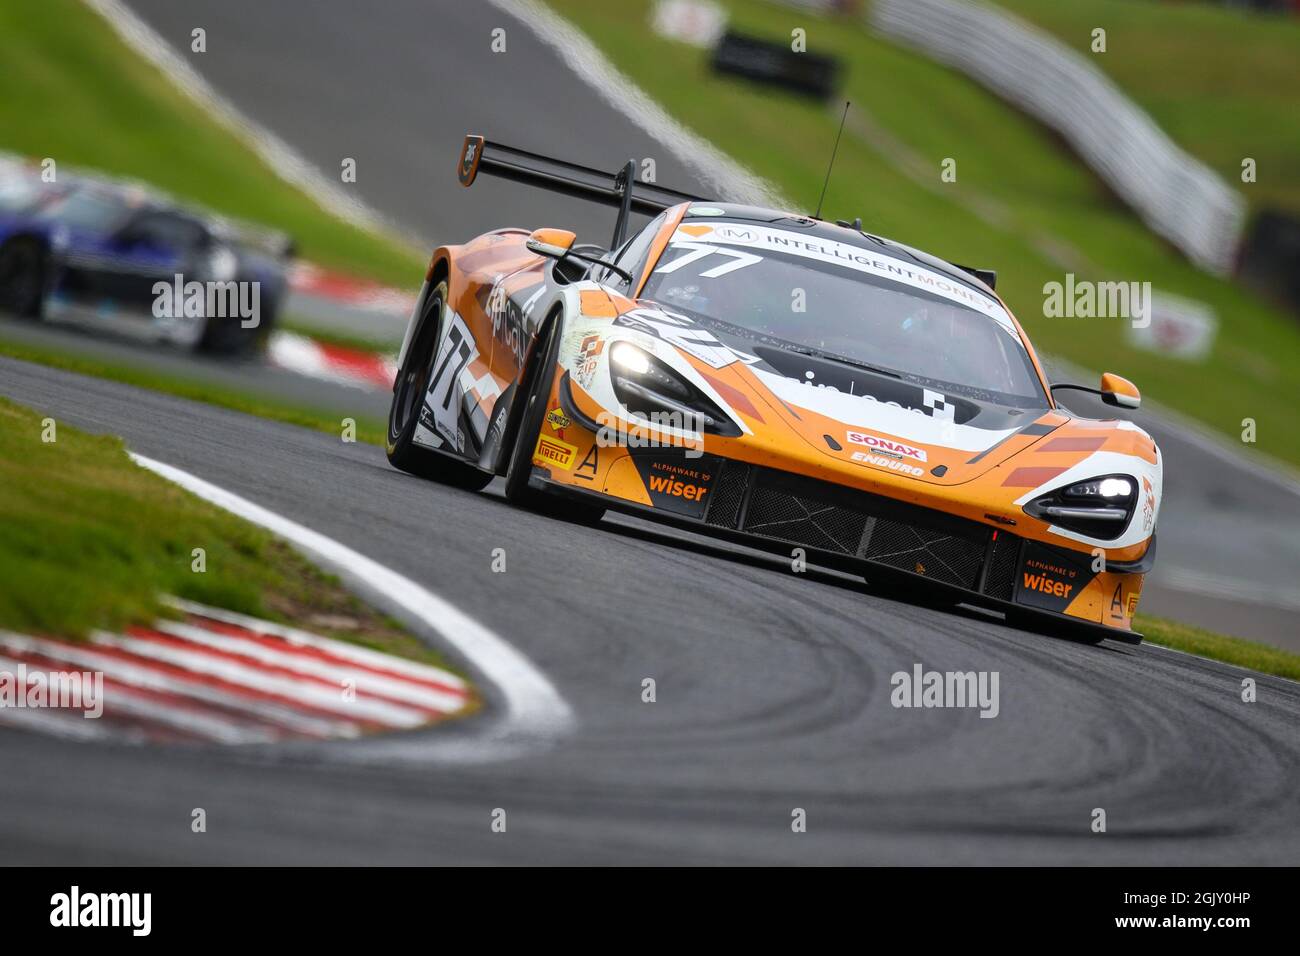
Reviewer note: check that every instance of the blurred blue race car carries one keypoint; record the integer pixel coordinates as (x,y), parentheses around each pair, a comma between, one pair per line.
(123,259)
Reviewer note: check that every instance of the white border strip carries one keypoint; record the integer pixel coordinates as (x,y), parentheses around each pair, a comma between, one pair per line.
(533,707)
(283,159)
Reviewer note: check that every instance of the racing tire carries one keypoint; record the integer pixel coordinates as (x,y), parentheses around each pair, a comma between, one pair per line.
(227,337)
(537,391)
(408,397)
(22,277)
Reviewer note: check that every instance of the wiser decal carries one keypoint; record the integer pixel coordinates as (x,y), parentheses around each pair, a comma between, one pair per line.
(1051,579)
(674,485)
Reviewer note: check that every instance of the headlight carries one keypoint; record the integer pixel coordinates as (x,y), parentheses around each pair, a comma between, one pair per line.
(1099,507)
(651,390)
(1101,488)
(630,358)
(223,264)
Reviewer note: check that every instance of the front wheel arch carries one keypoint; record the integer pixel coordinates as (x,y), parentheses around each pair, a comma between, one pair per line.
(403,453)
(553,324)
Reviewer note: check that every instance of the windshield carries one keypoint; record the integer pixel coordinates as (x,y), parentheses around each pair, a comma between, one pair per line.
(841,312)
(21,194)
(89,210)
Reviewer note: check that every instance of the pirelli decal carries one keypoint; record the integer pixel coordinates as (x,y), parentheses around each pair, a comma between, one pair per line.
(554,453)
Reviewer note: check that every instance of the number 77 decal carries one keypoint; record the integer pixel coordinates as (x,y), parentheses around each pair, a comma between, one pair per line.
(701,250)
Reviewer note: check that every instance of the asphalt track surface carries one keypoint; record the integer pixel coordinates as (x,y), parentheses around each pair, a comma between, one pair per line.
(252,378)
(773,693)
(773,688)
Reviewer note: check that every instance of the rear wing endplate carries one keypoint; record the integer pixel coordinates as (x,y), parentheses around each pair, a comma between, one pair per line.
(619,189)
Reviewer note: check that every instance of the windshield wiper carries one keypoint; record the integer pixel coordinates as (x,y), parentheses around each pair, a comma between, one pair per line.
(844,360)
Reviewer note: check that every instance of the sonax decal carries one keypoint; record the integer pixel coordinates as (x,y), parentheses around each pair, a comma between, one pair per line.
(887,446)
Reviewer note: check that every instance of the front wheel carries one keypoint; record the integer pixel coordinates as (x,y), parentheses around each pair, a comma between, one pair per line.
(22,277)
(408,399)
(537,392)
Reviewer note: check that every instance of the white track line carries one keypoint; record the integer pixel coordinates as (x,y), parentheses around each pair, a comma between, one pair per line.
(281,158)
(732,180)
(534,709)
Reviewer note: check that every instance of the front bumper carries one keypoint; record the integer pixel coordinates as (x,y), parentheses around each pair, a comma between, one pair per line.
(879,537)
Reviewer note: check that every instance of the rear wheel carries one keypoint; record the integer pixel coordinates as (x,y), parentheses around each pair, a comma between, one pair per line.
(537,391)
(227,336)
(22,277)
(408,398)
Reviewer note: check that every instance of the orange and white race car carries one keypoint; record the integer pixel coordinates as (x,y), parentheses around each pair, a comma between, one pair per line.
(801,386)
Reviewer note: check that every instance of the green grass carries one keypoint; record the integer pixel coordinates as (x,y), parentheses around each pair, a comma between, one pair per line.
(362,343)
(1042,192)
(368,430)
(91,541)
(1231,650)
(1221,82)
(74,92)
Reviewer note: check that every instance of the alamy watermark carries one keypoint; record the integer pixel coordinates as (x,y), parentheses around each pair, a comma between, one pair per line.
(657,430)
(921,688)
(213,300)
(1084,299)
(66,690)
(133,911)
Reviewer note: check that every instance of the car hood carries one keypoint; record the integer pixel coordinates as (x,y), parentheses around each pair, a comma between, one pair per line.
(848,414)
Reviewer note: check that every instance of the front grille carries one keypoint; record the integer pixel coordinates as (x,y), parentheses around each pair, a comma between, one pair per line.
(1000,581)
(945,557)
(839,520)
(775,513)
(728,495)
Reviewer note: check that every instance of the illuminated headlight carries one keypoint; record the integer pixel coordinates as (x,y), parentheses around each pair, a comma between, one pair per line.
(1100,507)
(630,358)
(1101,488)
(223,265)
(650,389)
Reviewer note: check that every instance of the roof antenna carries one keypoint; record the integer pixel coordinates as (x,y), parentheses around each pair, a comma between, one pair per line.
(834,150)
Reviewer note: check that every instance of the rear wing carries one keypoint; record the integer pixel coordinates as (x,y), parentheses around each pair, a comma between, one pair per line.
(478,155)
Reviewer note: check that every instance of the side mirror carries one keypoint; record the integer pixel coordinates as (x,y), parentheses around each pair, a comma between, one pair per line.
(552,243)
(1115,390)
(1118,391)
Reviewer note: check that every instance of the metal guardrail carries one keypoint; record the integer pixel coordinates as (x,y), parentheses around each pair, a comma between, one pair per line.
(1177,196)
